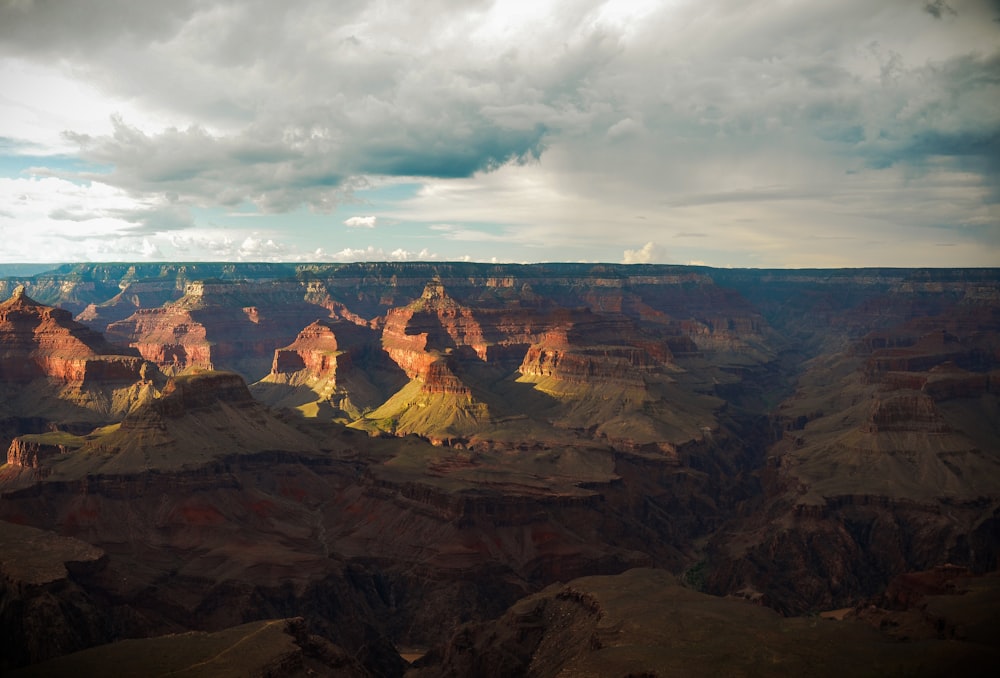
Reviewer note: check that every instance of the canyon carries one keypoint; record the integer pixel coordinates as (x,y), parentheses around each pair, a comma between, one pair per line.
(507,469)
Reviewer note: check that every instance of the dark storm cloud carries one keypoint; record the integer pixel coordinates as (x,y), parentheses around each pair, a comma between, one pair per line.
(450,157)
(253,166)
(946,111)
(939,8)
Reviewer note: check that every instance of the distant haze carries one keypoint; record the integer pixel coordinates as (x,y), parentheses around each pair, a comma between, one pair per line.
(720,132)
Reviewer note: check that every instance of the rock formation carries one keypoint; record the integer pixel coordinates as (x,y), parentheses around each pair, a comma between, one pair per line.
(887,457)
(795,439)
(55,371)
(44,612)
(644,623)
(334,368)
(217,325)
(277,648)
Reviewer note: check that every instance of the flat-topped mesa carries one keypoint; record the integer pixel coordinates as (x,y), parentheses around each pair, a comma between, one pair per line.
(202,389)
(583,365)
(314,350)
(942,382)
(588,348)
(905,411)
(196,391)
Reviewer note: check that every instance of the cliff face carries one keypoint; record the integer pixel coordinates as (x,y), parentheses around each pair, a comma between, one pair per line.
(44,611)
(477,359)
(335,368)
(60,372)
(134,296)
(218,326)
(887,456)
(228,512)
(645,623)
(41,341)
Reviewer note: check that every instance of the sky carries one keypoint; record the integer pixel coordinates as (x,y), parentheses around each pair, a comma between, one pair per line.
(745,133)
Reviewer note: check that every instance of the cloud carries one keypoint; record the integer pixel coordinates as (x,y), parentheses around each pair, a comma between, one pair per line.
(61,208)
(373,253)
(939,8)
(650,253)
(361,222)
(544,131)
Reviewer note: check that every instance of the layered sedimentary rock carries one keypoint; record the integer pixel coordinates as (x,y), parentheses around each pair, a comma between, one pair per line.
(218,325)
(214,511)
(644,623)
(887,463)
(334,369)
(508,355)
(133,297)
(41,341)
(31,451)
(60,373)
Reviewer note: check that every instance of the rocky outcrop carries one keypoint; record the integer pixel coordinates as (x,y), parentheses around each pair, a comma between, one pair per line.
(334,366)
(172,339)
(315,350)
(31,451)
(44,612)
(905,411)
(558,356)
(135,295)
(416,335)
(886,466)
(825,431)
(645,623)
(218,325)
(198,390)
(41,341)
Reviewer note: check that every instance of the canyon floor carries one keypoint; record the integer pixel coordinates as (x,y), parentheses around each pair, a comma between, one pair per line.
(470,469)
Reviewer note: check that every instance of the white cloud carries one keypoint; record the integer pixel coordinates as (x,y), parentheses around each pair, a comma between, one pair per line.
(61,213)
(651,253)
(372,253)
(361,222)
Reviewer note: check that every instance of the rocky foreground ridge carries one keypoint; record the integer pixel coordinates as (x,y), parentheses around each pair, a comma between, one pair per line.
(391,451)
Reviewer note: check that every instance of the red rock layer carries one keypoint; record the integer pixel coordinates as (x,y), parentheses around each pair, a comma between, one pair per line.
(41,341)
(134,296)
(169,337)
(315,350)
(414,336)
(29,454)
(218,325)
(576,345)
(440,378)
